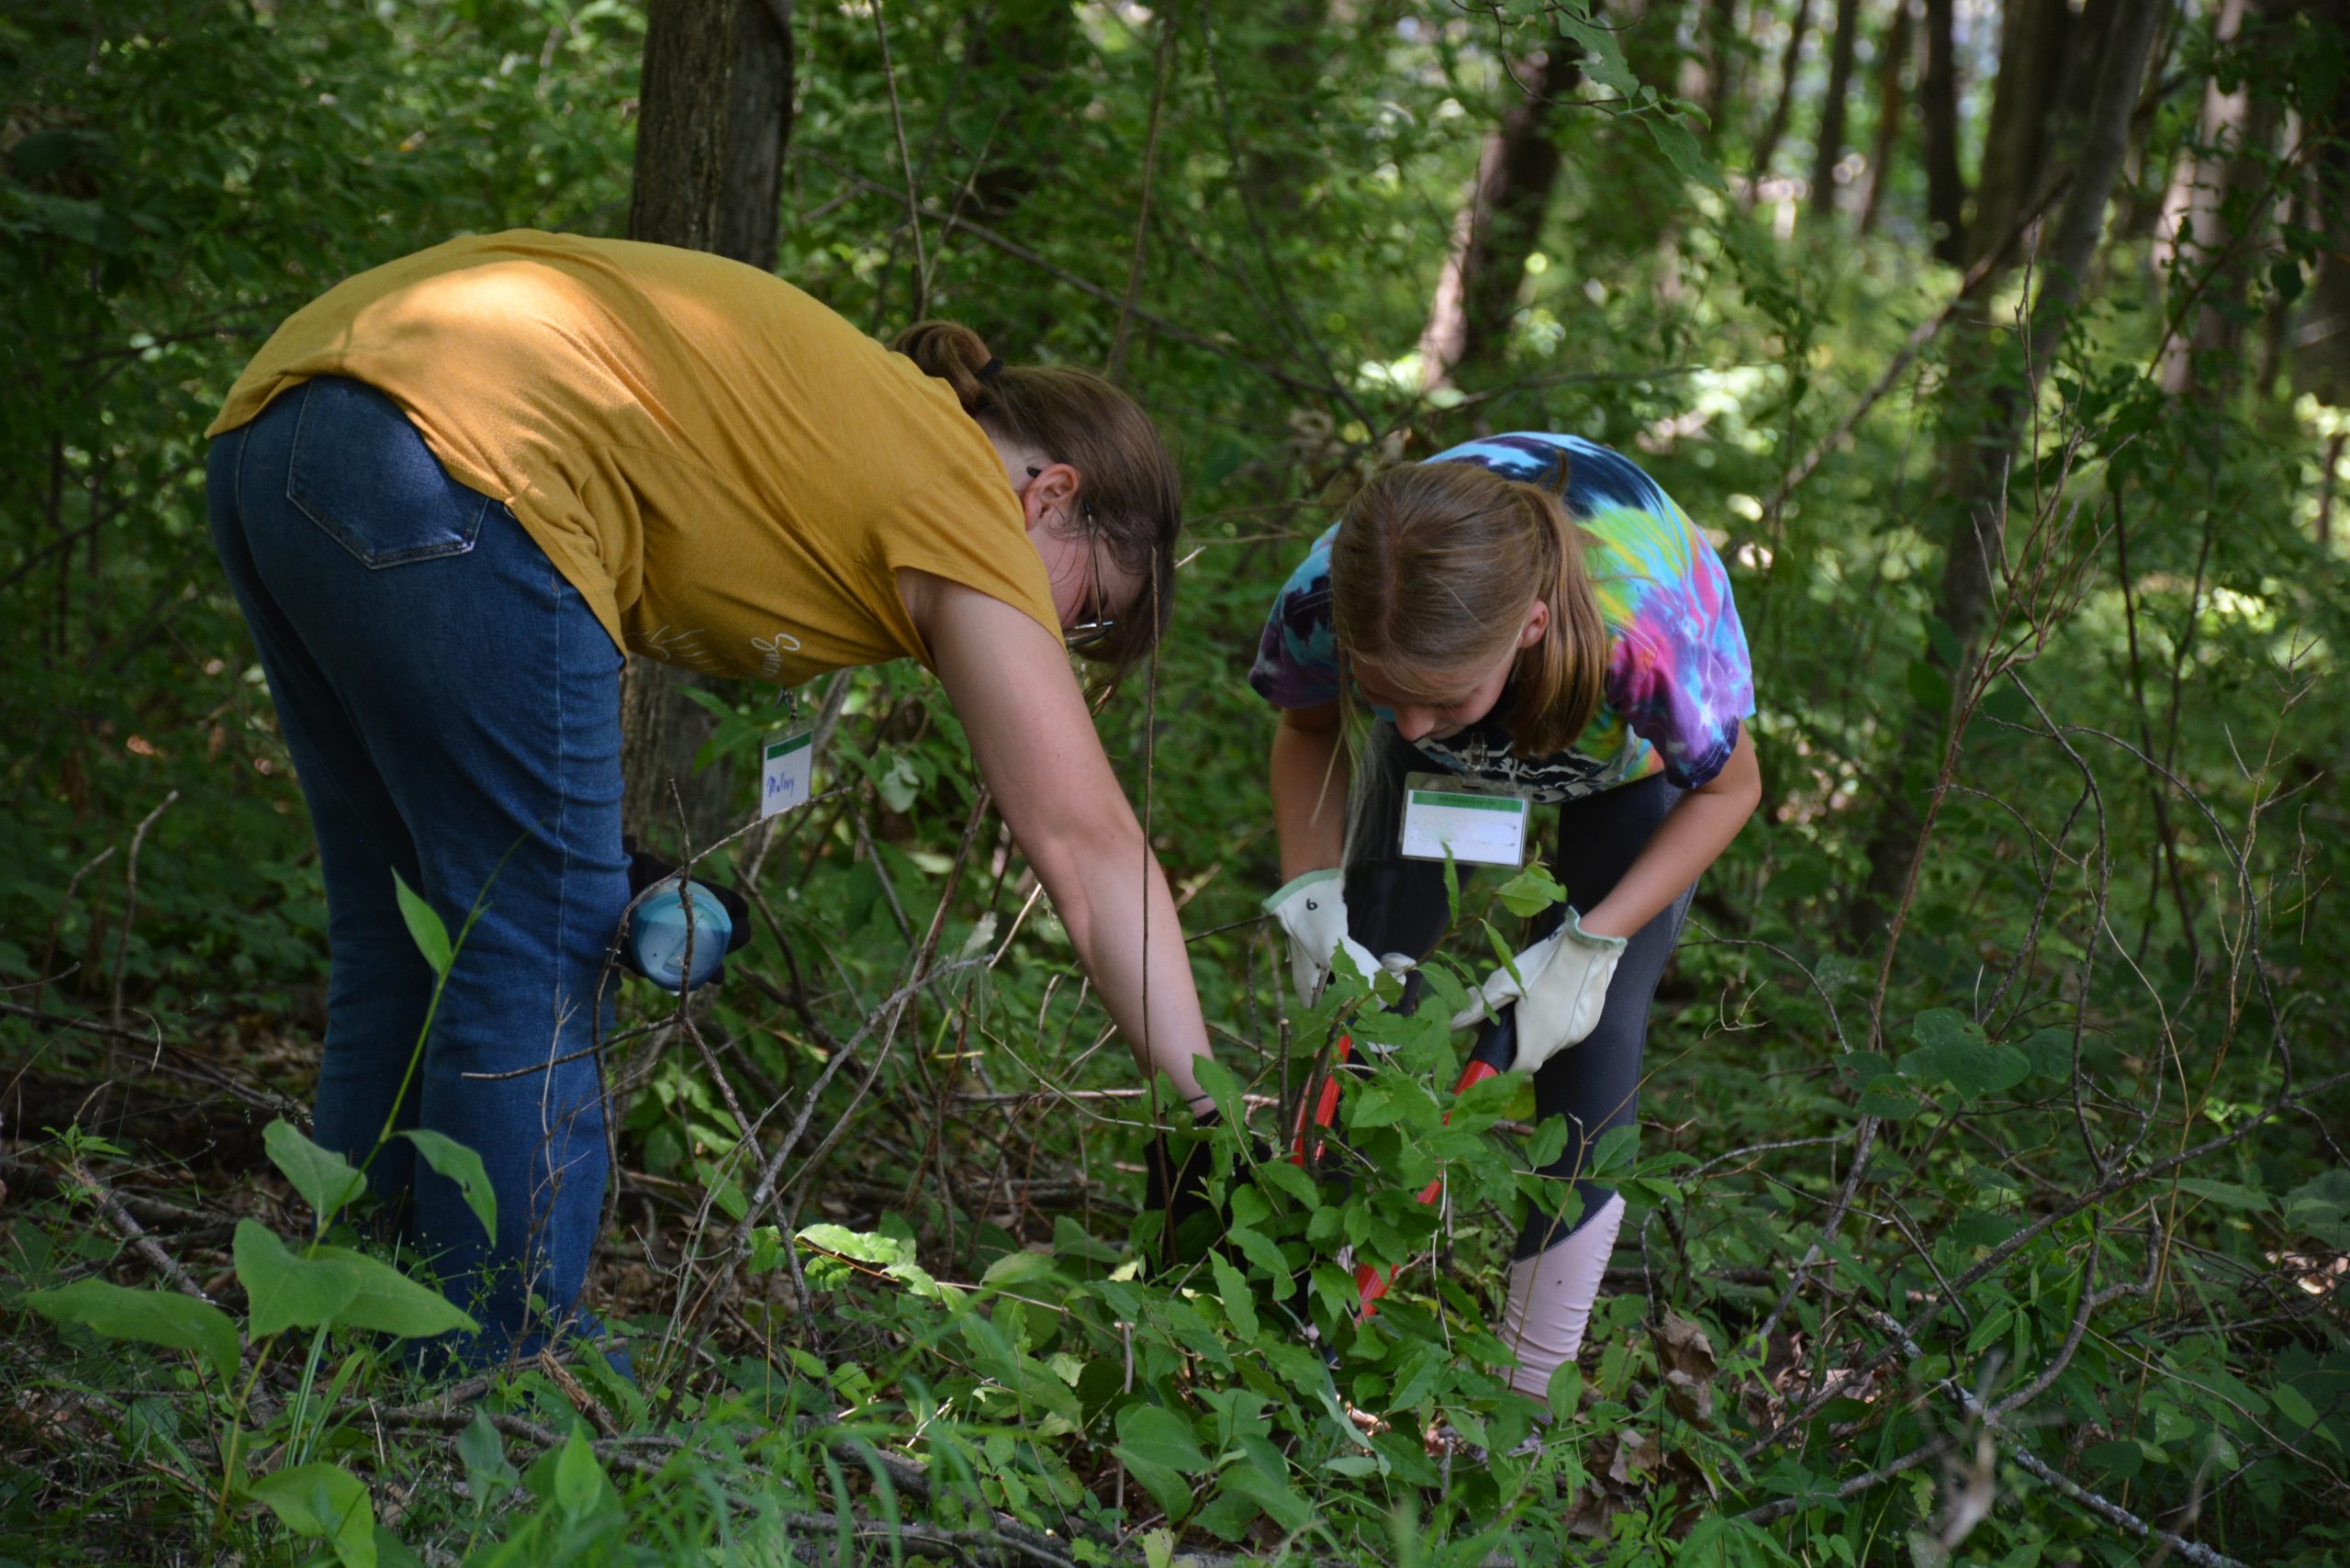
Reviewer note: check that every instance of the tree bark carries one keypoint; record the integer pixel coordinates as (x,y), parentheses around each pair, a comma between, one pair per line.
(1978,468)
(2205,248)
(1828,149)
(1890,92)
(1938,118)
(714,112)
(1719,31)
(2023,98)
(2321,344)
(1767,145)
(1476,293)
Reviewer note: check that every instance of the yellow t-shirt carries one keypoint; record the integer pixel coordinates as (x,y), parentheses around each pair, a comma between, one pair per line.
(728,472)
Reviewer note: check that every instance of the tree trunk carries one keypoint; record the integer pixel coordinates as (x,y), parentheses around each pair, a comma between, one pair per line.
(1828,149)
(1890,91)
(1938,118)
(1978,468)
(1767,145)
(2321,345)
(1476,293)
(1285,111)
(1713,82)
(2031,66)
(2199,248)
(714,111)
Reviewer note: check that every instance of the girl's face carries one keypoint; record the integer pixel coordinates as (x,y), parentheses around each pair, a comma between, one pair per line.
(1460,699)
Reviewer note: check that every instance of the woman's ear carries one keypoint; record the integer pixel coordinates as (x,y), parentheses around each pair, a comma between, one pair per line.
(1538,621)
(1051,494)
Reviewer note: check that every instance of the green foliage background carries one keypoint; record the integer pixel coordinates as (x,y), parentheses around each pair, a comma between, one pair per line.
(2105,965)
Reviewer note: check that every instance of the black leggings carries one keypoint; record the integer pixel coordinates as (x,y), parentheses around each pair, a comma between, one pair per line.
(1394,905)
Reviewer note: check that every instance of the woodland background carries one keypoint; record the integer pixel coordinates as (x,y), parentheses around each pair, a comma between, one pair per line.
(1989,1203)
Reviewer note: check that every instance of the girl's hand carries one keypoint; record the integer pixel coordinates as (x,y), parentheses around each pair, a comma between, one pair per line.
(1561,991)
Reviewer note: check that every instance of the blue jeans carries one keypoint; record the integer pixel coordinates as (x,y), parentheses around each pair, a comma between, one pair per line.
(453,708)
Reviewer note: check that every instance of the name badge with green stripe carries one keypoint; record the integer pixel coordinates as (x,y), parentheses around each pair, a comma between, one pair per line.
(787,762)
(1475,823)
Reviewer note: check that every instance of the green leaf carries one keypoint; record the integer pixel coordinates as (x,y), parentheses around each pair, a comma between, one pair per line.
(463,1166)
(424,927)
(1953,1050)
(864,1246)
(1564,1393)
(1270,1490)
(1159,1436)
(323,1502)
(387,1302)
(1929,688)
(1603,57)
(2050,1051)
(1166,1487)
(579,1480)
(1887,1097)
(324,1177)
(1232,1289)
(1681,149)
(1265,1255)
(2227,1195)
(2294,1405)
(1532,890)
(284,1289)
(151,1317)
(488,1474)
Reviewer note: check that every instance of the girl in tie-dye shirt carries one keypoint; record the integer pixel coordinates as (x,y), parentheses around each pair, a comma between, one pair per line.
(1531,611)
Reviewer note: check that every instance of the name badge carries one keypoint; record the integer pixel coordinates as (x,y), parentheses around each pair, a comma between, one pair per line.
(1475,823)
(788,762)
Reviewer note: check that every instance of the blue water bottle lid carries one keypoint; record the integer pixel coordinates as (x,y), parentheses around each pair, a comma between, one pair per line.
(657,933)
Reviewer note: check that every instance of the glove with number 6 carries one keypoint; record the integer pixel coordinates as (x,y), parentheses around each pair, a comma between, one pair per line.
(1565,979)
(1313,910)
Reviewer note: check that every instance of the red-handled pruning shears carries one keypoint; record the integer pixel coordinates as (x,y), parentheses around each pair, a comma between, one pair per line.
(1496,1048)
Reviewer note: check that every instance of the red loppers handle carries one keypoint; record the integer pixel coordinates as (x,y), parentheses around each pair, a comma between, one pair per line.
(1496,1048)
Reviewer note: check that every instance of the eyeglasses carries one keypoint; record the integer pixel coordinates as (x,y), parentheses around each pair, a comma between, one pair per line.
(1096,624)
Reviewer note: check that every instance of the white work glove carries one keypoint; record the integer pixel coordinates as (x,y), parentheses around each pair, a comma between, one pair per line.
(1565,988)
(1313,910)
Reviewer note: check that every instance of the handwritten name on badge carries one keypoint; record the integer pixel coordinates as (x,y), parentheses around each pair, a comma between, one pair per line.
(785,771)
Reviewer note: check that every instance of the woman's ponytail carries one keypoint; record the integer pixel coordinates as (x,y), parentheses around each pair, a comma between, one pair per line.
(956,355)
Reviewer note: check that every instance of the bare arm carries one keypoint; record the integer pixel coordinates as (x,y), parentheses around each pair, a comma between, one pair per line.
(1309,785)
(1690,838)
(1036,746)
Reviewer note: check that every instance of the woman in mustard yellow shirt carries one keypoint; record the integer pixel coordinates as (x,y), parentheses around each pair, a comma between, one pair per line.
(453,489)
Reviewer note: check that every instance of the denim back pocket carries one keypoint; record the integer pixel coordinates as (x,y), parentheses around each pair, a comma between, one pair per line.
(361,473)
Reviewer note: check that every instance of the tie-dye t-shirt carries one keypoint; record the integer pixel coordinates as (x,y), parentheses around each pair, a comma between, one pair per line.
(1678,679)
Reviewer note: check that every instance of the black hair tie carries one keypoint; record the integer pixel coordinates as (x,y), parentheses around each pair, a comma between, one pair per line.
(991,371)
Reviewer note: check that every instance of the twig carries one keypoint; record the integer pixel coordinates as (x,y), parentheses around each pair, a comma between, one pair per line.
(130,895)
(57,921)
(905,161)
(1115,366)
(132,1232)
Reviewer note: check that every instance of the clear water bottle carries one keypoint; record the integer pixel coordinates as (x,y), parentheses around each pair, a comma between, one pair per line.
(656,934)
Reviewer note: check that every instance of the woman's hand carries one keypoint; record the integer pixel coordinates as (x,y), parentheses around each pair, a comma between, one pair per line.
(1012,688)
